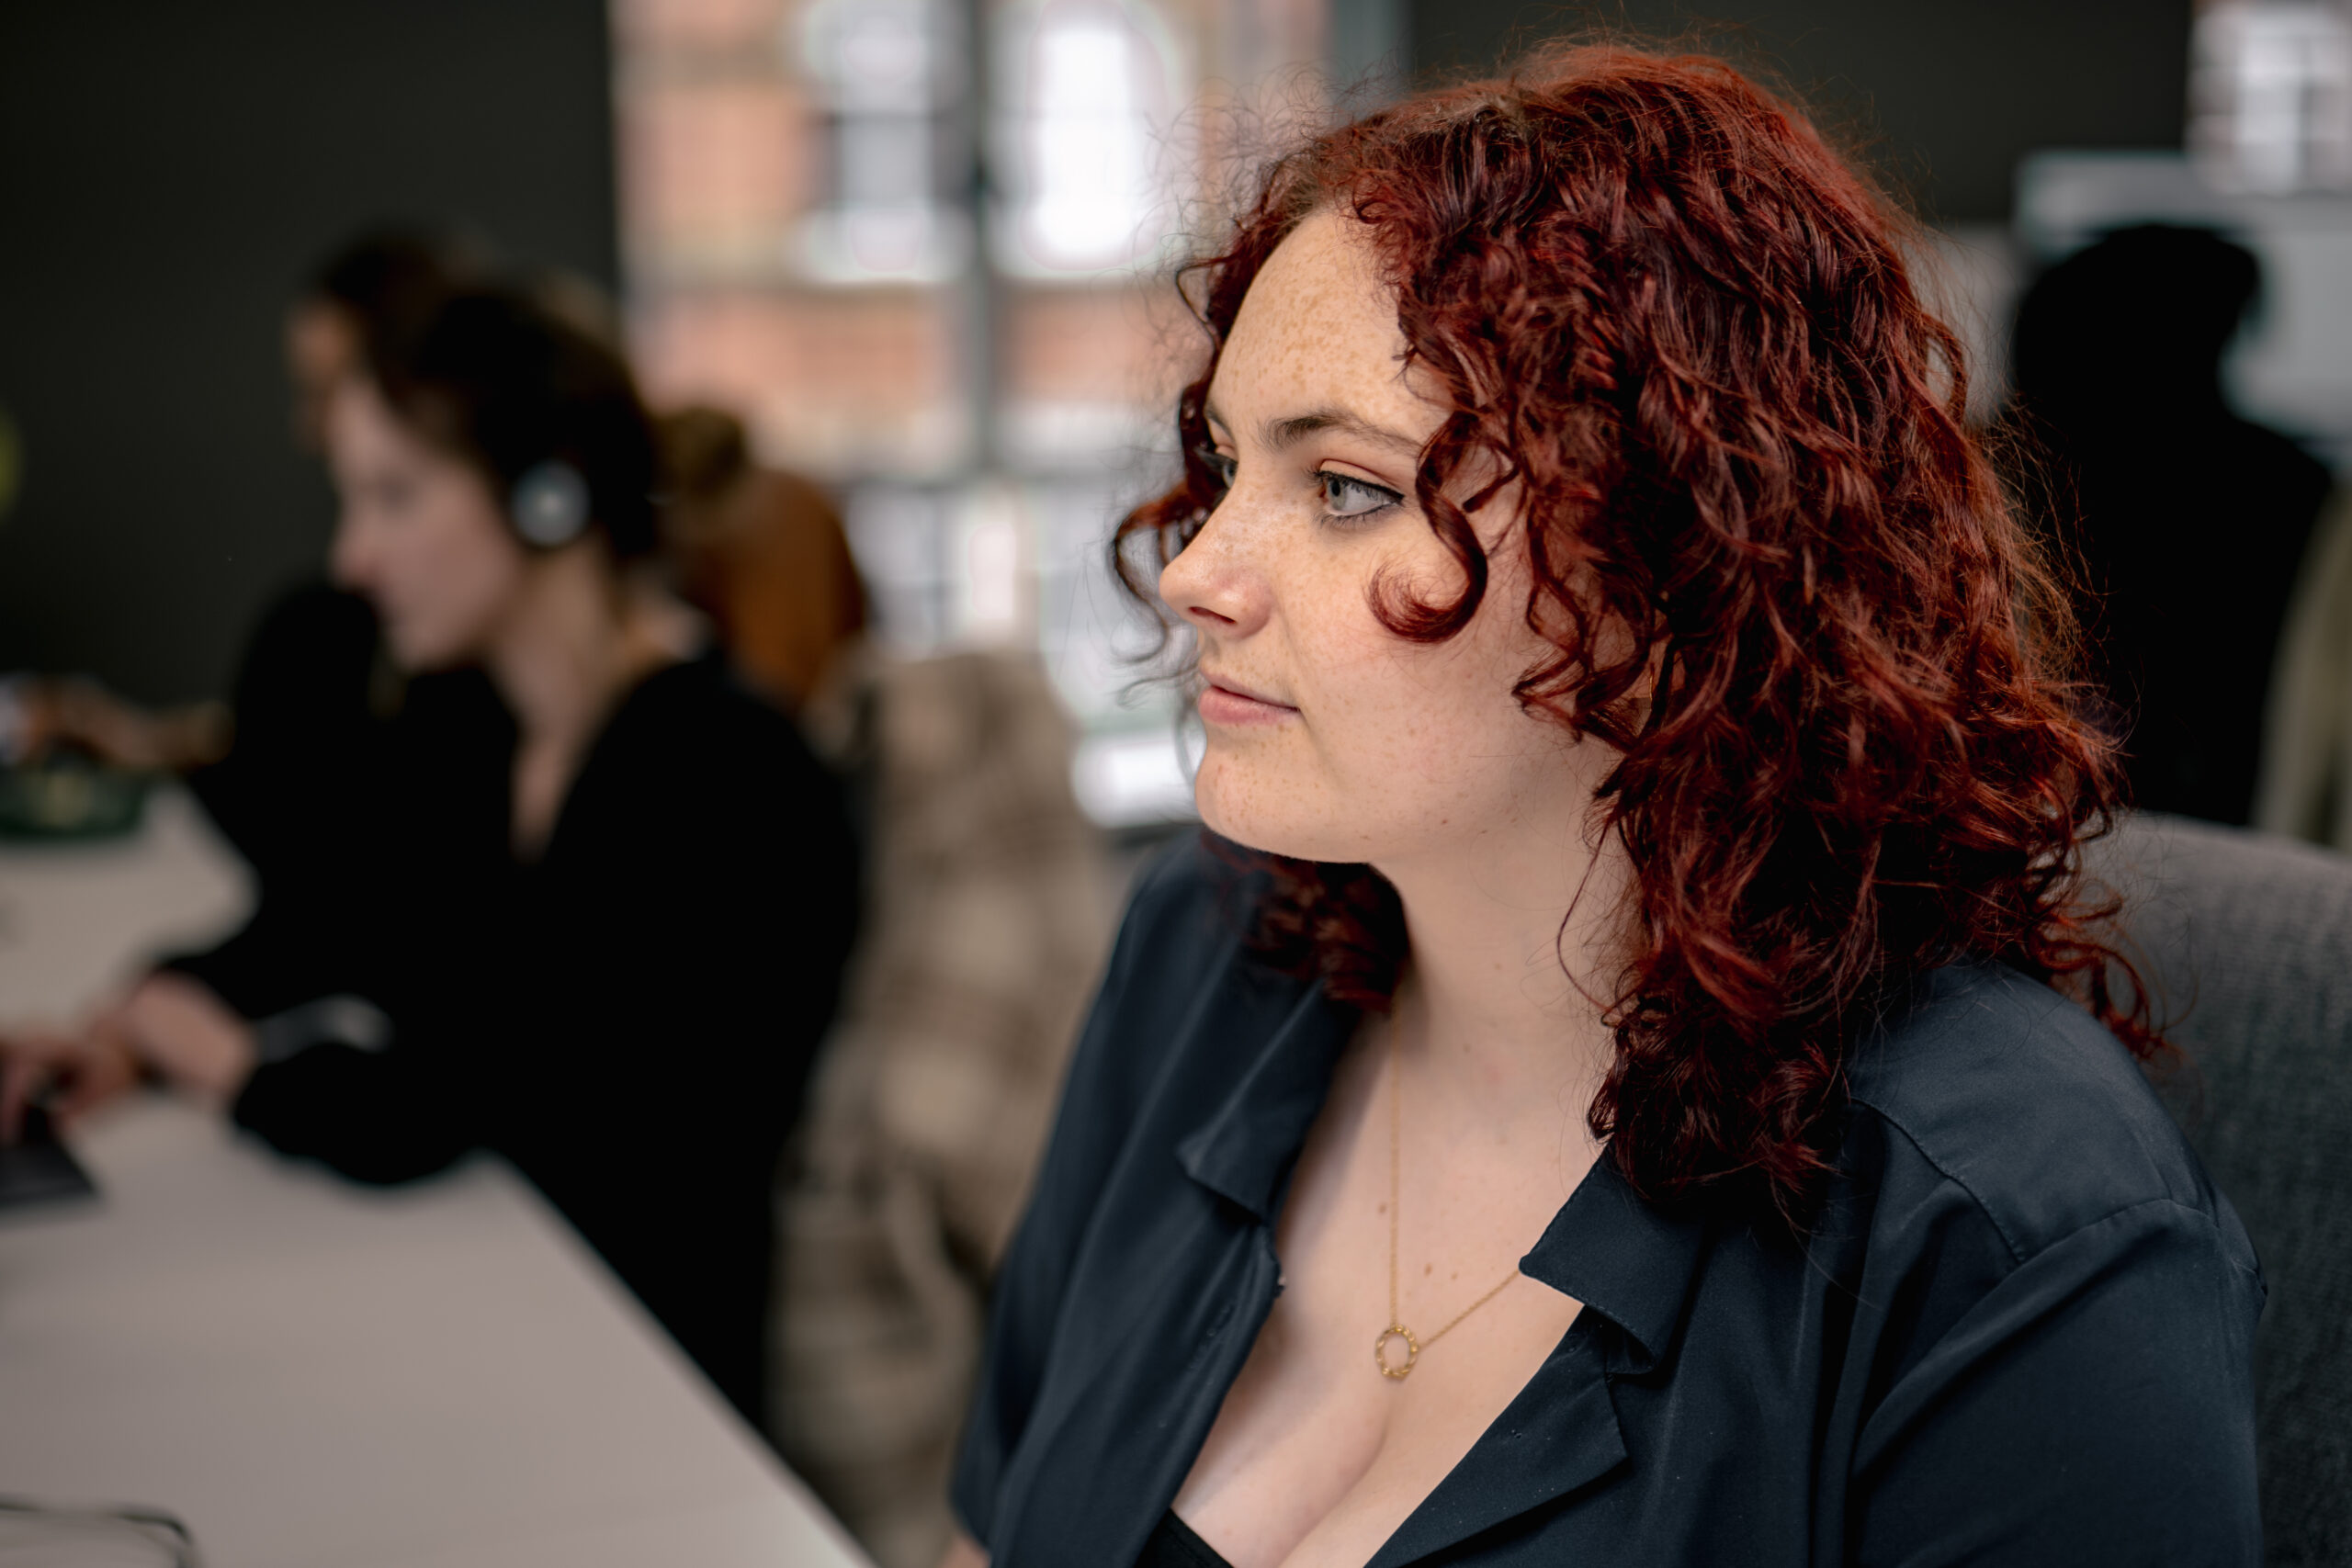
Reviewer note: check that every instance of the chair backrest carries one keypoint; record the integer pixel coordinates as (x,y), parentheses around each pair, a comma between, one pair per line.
(2247,940)
(988,915)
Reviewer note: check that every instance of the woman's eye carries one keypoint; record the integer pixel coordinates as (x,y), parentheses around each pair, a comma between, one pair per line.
(1346,497)
(1222,466)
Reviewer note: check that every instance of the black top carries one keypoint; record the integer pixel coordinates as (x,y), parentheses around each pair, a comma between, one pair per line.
(2020,1332)
(305,725)
(1173,1544)
(630,1018)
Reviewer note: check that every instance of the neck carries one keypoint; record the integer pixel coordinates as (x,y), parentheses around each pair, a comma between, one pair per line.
(1512,943)
(571,644)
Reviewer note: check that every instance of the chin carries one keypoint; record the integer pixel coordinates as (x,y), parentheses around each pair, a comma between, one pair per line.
(418,653)
(1264,814)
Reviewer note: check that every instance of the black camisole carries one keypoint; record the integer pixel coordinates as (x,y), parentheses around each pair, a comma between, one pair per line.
(1173,1545)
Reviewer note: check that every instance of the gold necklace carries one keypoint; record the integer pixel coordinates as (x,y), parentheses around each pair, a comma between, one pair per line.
(1397,1371)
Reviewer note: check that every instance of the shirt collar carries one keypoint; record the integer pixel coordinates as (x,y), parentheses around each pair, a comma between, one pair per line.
(1245,1150)
(1631,1261)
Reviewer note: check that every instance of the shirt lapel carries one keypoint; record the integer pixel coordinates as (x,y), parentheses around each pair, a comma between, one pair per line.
(1140,1400)
(1560,1433)
(1631,1262)
(1633,1266)
(1246,1148)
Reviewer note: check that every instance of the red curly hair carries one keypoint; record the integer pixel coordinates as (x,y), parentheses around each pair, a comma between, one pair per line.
(1647,292)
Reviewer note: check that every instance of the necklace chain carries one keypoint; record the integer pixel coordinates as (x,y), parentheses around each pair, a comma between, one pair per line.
(1397,1329)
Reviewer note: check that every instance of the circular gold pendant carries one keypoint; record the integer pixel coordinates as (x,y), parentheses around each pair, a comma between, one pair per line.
(1396,1371)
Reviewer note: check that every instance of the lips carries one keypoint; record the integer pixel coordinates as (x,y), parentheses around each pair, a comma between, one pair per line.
(1228,702)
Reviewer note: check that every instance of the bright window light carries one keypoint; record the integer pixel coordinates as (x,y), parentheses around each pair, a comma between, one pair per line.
(2273,95)
(1086,147)
(1083,123)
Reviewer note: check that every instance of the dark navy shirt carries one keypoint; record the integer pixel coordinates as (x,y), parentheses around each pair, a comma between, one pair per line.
(2019,1330)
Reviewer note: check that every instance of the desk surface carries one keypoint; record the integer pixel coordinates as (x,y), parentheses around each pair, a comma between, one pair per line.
(317,1375)
(77,920)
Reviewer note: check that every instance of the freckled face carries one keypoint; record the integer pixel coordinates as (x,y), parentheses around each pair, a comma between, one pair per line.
(1329,738)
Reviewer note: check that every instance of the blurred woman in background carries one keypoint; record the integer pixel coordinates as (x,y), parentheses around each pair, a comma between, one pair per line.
(597,919)
(313,685)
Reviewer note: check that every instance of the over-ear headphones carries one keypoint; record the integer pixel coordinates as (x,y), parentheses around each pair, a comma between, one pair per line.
(549,505)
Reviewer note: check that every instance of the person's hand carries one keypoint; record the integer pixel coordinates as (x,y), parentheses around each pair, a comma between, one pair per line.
(169,1024)
(79,1070)
(45,712)
(131,737)
(187,1035)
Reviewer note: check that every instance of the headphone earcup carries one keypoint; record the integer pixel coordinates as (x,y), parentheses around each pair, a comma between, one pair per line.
(549,505)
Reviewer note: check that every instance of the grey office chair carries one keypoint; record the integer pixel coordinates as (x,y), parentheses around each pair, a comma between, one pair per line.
(2249,941)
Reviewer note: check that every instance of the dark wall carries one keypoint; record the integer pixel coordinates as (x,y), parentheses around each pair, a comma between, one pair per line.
(169,174)
(1943,94)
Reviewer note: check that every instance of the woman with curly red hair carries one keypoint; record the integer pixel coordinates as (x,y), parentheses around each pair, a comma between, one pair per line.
(1635,1078)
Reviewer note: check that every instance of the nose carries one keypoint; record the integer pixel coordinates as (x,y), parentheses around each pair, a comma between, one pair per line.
(1215,582)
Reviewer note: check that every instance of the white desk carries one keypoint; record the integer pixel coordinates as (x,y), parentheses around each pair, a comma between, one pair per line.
(78,921)
(316,1376)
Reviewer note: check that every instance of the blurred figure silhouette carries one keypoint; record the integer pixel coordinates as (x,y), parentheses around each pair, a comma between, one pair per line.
(762,552)
(313,685)
(2194,522)
(595,899)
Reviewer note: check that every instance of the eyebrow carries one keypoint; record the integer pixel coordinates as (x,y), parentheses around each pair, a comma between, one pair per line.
(1280,433)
